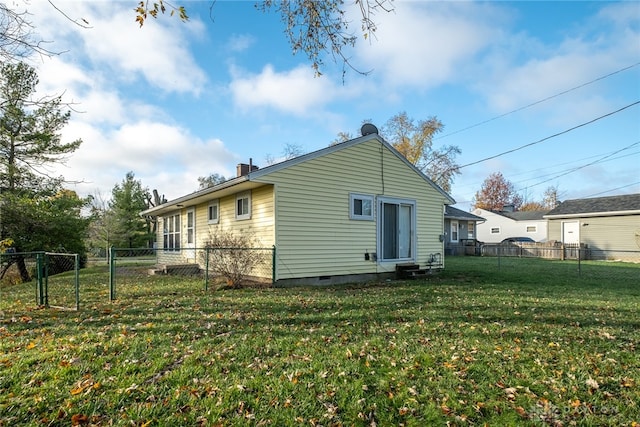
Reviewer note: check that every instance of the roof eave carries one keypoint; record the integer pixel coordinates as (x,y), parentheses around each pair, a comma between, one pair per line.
(592,214)
(208,193)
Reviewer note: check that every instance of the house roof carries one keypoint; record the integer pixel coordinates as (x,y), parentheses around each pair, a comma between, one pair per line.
(454,213)
(597,206)
(518,215)
(251,180)
(524,215)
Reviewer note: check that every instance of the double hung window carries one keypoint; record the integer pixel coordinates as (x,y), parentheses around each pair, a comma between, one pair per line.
(213,212)
(171,233)
(243,205)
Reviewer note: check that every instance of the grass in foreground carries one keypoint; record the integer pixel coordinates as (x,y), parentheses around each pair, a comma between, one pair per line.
(528,344)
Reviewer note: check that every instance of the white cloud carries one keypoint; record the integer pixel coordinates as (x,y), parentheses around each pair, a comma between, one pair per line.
(163,156)
(117,48)
(240,42)
(422,44)
(295,92)
(124,130)
(553,68)
(154,51)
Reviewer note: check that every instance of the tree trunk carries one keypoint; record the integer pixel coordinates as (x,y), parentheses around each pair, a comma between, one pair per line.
(22,268)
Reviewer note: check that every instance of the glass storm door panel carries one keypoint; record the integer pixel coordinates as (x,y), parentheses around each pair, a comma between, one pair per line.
(397,231)
(404,232)
(389,231)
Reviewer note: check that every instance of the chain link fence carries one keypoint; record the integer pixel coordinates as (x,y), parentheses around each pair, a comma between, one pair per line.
(570,260)
(54,276)
(134,272)
(62,281)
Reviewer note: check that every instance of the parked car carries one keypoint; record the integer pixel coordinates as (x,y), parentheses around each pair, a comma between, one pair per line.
(518,240)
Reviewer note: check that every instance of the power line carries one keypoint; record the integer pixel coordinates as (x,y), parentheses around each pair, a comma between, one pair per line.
(583,166)
(549,137)
(538,102)
(614,189)
(557,165)
(543,176)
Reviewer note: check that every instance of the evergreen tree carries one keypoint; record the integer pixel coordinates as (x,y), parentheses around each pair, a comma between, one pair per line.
(128,199)
(36,213)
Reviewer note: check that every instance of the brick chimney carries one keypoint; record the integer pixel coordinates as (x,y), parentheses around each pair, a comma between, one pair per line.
(243,169)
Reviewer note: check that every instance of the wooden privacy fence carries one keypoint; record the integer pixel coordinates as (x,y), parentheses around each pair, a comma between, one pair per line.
(547,250)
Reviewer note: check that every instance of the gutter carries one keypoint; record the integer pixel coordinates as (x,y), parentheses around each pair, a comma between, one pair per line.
(592,214)
(176,203)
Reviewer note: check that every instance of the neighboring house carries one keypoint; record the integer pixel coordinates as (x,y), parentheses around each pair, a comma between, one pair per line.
(609,226)
(348,212)
(500,225)
(460,231)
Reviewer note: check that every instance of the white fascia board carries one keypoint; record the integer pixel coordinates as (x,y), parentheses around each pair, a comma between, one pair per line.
(592,214)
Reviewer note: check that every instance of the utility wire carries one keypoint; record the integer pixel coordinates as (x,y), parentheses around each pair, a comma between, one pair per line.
(549,137)
(583,166)
(538,102)
(549,171)
(614,189)
(557,165)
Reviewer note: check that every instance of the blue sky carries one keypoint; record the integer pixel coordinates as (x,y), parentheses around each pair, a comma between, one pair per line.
(174,101)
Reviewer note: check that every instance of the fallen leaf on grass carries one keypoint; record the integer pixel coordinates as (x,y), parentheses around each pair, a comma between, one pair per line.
(592,384)
(520,410)
(79,419)
(86,383)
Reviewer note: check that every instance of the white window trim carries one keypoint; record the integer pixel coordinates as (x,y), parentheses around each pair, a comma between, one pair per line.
(240,196)
(455,231)
(176,234)
(535,229)
(355,196)
(494,228)
(190,229)
(215,220)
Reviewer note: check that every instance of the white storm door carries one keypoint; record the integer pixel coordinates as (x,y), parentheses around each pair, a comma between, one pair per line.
(571,232)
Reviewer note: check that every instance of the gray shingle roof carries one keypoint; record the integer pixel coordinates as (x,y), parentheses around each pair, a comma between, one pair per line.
(455,213)
(625,203)
(524,215)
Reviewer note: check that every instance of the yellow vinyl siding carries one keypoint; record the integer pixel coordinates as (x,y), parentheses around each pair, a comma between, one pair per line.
(260,226)
(314,234)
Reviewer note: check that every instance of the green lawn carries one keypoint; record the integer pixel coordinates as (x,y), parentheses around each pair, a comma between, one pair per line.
(523,342)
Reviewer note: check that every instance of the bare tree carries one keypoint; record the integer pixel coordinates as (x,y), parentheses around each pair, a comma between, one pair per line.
(233,256)
(551,198)
(312,27)
(288,152)
(18,39)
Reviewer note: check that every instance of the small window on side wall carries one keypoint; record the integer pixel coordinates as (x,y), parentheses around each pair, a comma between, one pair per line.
(213,212)
(495,230)
(360,207)
(243,205)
